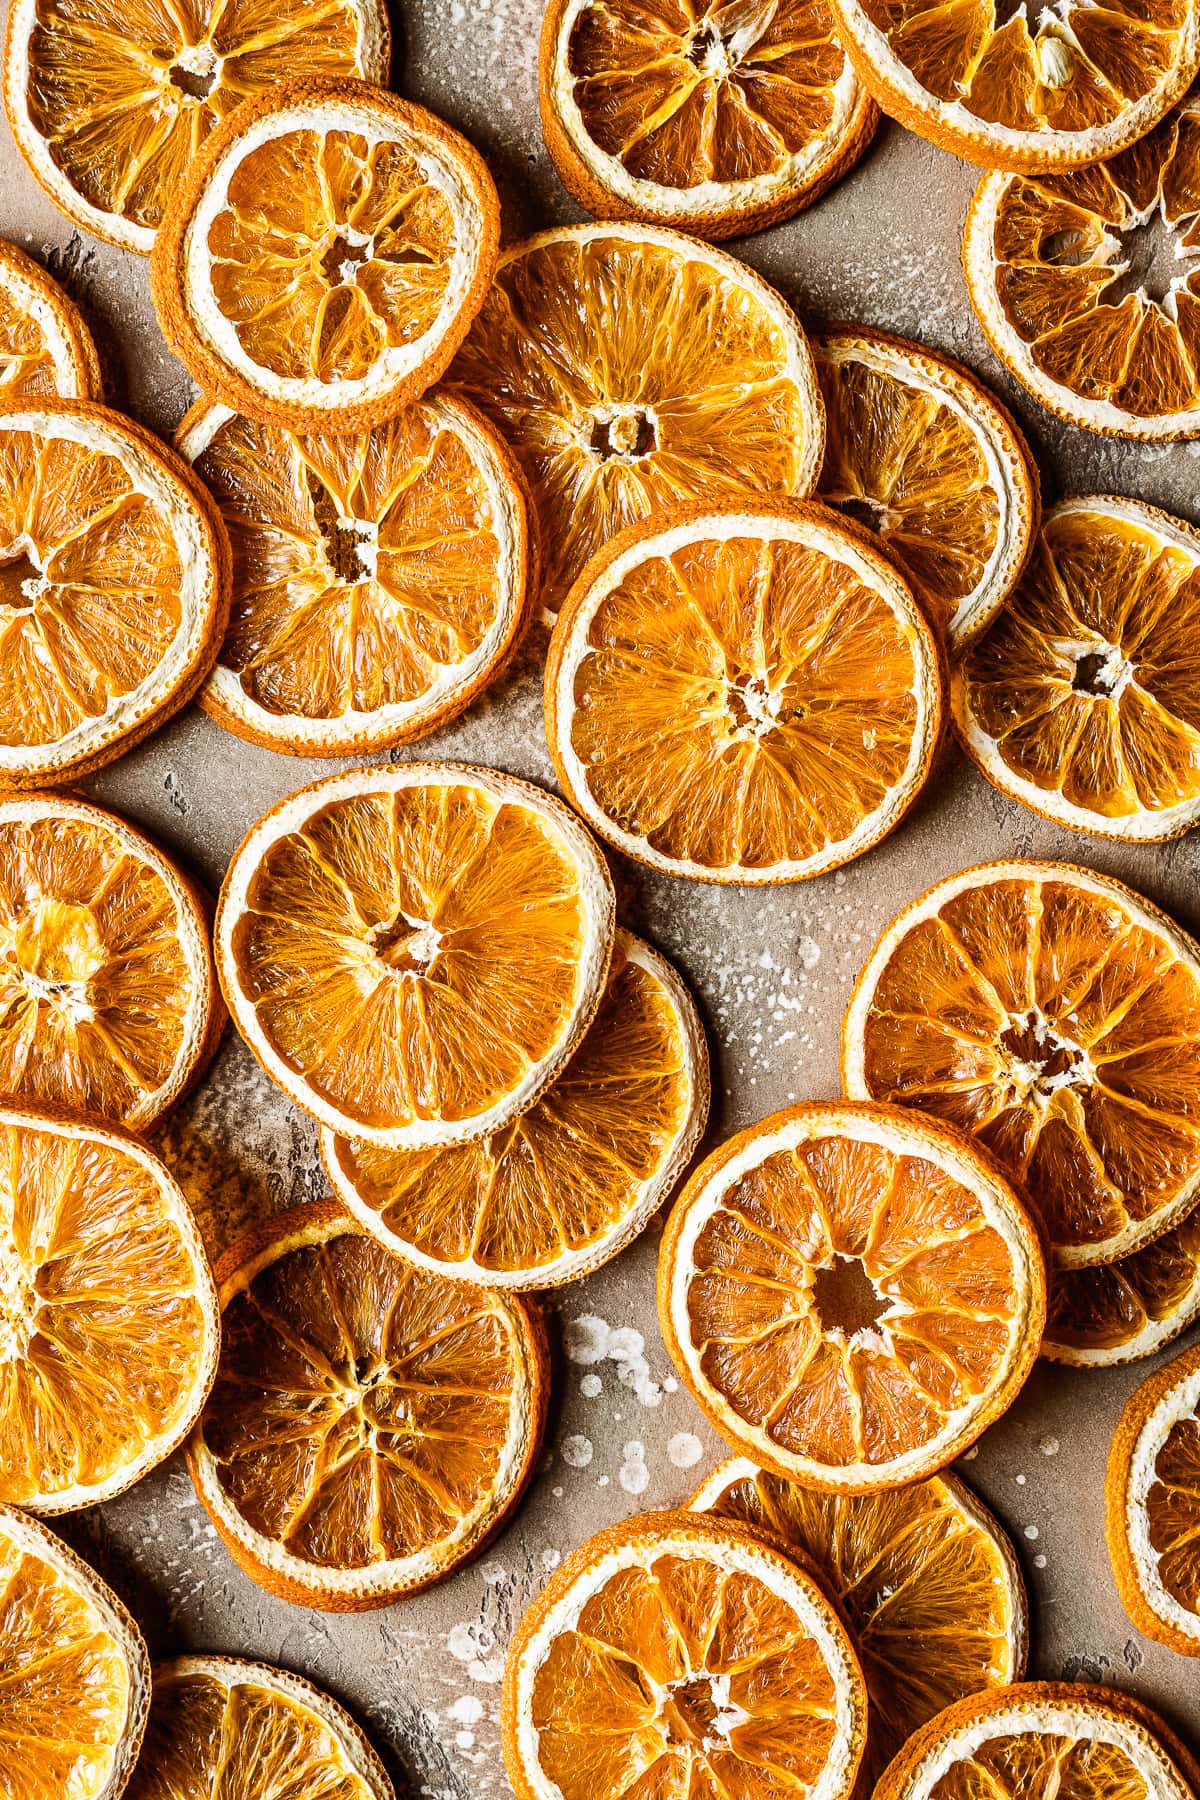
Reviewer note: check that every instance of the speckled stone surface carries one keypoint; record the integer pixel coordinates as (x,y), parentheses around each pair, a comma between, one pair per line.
(771,971)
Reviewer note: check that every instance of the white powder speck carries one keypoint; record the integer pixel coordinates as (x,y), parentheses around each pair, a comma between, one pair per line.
(1049,1446)
(577,1452)
(494,1573)
(551,1559)
(466,1710)
(557,1492)
(625,1344)
(488,1670)
(590,1339)
(1020,1479)
(1032,1532)
(809,952)
(465,1740)
(467,1642)
(685,1450)
(585,1340)
(634,1476)
(1039,1562)
(590,1386)
(670,1385)
(603,1481)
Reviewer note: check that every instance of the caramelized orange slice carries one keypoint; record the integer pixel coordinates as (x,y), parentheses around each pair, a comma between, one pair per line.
(1153,1505)
(45,347)
(1102,1316)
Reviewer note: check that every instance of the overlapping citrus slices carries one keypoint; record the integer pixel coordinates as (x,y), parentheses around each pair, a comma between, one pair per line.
(720,117)
(1102,1316)
(1152,1491)
(45,347)
(681,1655)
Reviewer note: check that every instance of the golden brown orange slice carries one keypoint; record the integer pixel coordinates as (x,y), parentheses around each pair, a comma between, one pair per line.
(108,1007)
(921,454)
(45,347)
(1102,1316)
(1053,1014)
(567,1185)
(371,1426)
(852,1293)
(414,952)
(318,265)
(746,693)
(110,104)
(720,117)
(379,579)
(680,1655)
(631,368)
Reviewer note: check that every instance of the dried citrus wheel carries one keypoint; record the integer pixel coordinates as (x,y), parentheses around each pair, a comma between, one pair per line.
(220,1727)
(323,256)
(74,1673)
(928,1581)
(631,368)
(110,102)
(747,693)
(114,579)
(1152,1493)
(921,454)
(720,118)
(852,1293)
(1103,1316)
(413,953)
(108,1316)
(675,1654)
(379,579)
(569,1183)
(371,1426)
(108,1005)
(1053,1014)
(1083,700)
(45,347)
(1087,284)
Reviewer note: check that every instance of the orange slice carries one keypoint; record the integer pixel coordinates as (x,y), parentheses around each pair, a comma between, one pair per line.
(1152,1493)
(107,1001)
(852,1293)
(928,1581)
(318,265)
(109,103)
(921,454)
(744,693)
(114,578)
(220,1726)
(45,347)
(1103,1316)
(413,953)
(1087,285)
(714,117)
(679,1655)
(571,1182)
(108,1316)
(631,368)
(371,1426)
(379,579)
(74,1673)
(1083,701)
(1053,1014)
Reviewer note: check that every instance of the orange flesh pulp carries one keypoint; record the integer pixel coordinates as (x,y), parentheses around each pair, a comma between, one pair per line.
(1102,1309)
(1039,1762)
(1173,1513)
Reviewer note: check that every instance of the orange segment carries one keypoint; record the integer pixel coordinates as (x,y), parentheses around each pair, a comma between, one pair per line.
(1153,1505)
(1101,1316)
(45,347)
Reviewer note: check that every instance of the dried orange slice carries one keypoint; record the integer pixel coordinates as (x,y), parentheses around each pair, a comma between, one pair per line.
(319,263)
(852,1293)
(720,118)
(220,1726)
(744,693)
(108,1316)
(570,1183)
(1053,1014)
(371,1426)
(114,578)
(110,103)
(1087,284)
(631,368)
(1103,1316)
(108,1006)
(676,1654)
(45,347)
(379,579)
(921,454)
(1152,1493)
(1083,701)
(927,1578)
(413,953)
(74,1673)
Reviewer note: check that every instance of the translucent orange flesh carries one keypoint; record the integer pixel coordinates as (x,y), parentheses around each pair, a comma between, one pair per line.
(1107,1308)
(94,988)
(1060,247)
(846,1300)
(27,365)
(330,251)
(89,586)
(1066,1037)
(910,469)
(362,1408)
(64,1684)
(126,91)
(413,955)
(744,703)
(628,375)
(1039,1763)
(685,93)
(1173,1513)
(364,566)
(682,1681)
